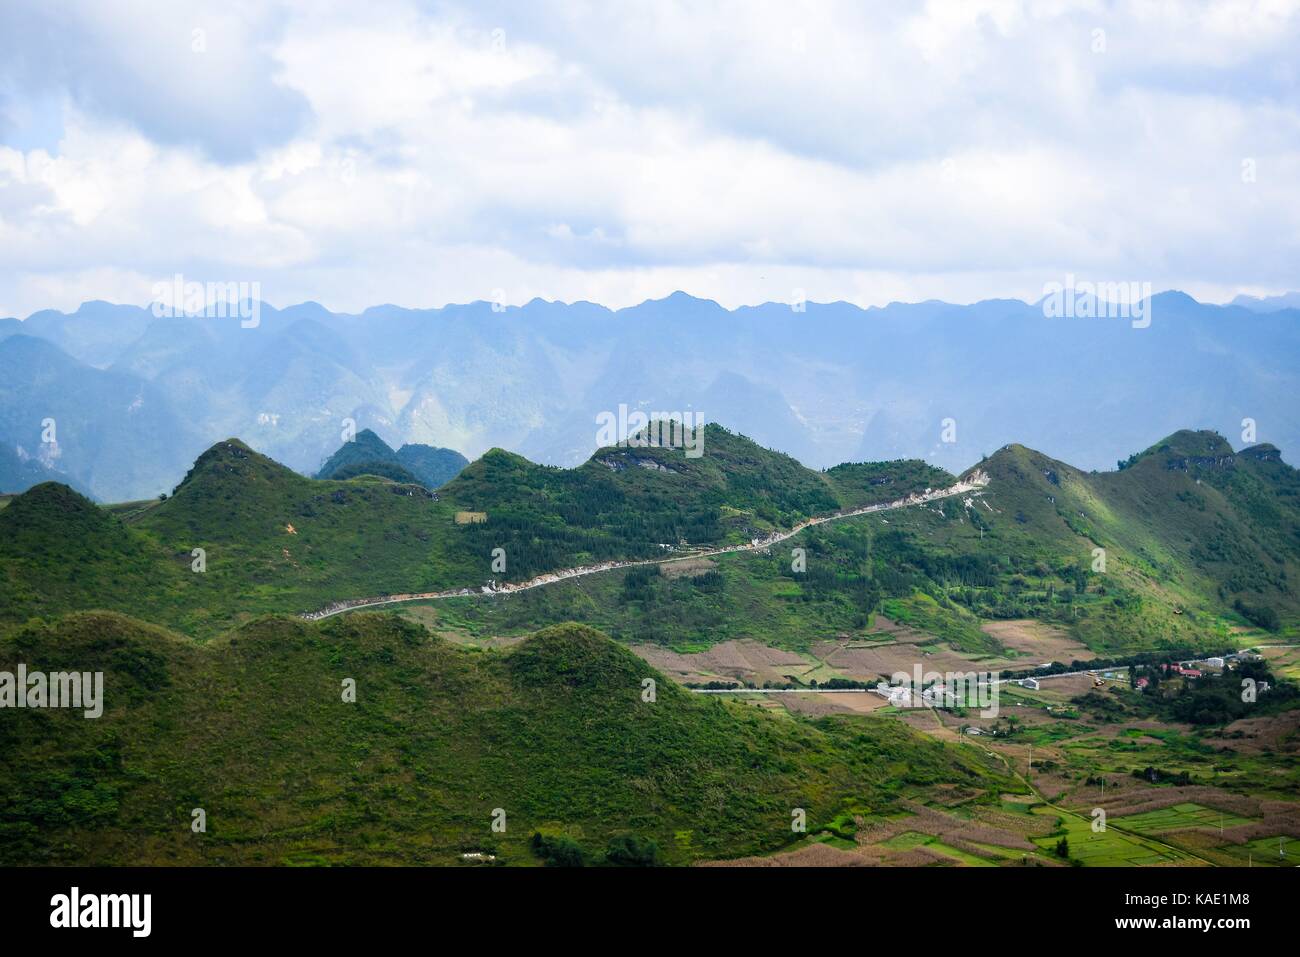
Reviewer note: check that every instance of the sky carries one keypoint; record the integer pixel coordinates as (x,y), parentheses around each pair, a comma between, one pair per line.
(420,153)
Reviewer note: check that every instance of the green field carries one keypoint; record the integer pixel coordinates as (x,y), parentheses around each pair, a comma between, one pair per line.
(1108,848)
(1178,817)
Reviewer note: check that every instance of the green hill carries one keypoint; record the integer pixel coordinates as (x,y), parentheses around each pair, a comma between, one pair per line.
(631,501)
(1201,549)
(61,551)
(253,729)
(1190,531)
(271,540)
(368,454)
(864,483)
(275,541)
(1198,541)
(433,467)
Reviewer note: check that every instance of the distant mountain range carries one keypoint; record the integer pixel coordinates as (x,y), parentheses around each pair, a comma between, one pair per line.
(1290,300)
(135,398)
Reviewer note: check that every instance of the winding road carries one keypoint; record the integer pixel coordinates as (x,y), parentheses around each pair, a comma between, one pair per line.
(972,486)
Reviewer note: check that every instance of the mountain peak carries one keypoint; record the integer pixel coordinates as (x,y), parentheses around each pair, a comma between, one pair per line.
(1192,442)
(680,299)
(230,460)
(369,438)
(53,512)
(57,496)
(578,657)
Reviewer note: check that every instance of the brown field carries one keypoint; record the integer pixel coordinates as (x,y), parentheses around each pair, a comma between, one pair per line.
(1066,688)
(900,633)
(805,855)
(817,705)
(1273,733)
(1284,662)
(868,664)
(737,660)
(1043,643)
(865,661)
(688,568)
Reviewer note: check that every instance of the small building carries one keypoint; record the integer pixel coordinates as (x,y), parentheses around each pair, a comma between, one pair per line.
(900,696)
(1142,683)
(1030,683)
(1214,662)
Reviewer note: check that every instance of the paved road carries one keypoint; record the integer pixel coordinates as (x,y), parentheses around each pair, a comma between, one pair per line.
(972,486)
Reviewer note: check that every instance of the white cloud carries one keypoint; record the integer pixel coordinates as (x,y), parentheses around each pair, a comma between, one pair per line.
(400,152)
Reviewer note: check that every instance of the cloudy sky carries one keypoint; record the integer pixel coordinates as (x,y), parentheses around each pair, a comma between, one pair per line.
(424,153)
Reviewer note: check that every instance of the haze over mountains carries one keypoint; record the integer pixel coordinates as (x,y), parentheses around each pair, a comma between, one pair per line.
(136,398)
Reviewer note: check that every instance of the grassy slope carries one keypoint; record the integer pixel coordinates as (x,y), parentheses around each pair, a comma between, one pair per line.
(1179,554)
(369,537)
(630,501)
(252,728)
(60,551)
(364,536)
(1190,530)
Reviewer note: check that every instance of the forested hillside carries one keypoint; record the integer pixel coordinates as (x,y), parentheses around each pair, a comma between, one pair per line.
(254,730)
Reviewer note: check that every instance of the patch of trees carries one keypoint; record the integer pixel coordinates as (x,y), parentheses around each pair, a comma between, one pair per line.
(1212,700)
(1260,615)
(1159,776)
(1099,706)
(837,683)
(624,850)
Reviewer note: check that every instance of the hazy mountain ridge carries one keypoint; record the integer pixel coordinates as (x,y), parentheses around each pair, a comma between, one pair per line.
(828,384)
